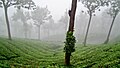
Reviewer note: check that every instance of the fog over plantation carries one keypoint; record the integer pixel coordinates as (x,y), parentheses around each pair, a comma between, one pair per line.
(59,33)
(97,30)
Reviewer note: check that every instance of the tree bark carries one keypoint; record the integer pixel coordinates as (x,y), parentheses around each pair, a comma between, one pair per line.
(85,40)
(71,27)
(108,36)
(72,15)
(7,21)
(67,58)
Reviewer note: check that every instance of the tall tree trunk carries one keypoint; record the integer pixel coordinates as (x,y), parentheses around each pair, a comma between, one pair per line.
(72,15)
(67,58)
(48,32)
(25,34)
(25,29)
(29,34)
(7,21)
(65,28)
(39,32)
(71,27)
(87,30)
(108,36)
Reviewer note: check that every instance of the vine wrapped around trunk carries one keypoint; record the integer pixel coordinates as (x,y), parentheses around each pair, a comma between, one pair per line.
(70,43)
(70,39)
(69,46)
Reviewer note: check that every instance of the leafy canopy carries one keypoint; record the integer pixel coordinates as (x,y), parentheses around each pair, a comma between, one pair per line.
(115,8)
(20,15)
(18,3)
(93,5)
(40,15)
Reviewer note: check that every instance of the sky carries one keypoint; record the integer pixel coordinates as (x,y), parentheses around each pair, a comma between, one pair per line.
(57,7)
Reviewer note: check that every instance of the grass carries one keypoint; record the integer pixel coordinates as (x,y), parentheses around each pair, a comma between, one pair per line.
(20,53)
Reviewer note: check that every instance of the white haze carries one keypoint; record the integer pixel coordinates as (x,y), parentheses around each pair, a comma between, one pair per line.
(97,33)
(57,7)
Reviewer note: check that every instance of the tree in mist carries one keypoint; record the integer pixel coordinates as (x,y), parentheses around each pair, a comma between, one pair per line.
(50,25)
(113,12)
(64,19)
(92,6)
(70,39)
(2,29)
(23,17)
(81,21)
(39,16)
(18,3)
(105,19)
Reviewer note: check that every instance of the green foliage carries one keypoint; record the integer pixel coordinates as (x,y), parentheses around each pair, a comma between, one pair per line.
(115,8)
(37,54)
(70,43)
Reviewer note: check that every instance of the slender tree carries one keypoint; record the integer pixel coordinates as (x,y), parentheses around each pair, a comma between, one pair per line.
(65,19)
(70,39)
(24,17)
(18,3)
(2,29)
(113,12)
(50,25)
(39,16)
(92,6)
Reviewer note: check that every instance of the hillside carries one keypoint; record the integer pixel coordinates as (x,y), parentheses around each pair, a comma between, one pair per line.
(20,53)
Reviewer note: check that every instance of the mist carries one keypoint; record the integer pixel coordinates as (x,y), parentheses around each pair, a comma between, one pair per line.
(56,30)
(59,33)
